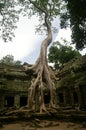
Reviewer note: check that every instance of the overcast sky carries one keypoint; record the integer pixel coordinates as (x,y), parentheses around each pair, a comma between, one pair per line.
(26,44)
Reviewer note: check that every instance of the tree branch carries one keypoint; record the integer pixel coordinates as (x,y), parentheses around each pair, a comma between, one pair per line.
(38,7)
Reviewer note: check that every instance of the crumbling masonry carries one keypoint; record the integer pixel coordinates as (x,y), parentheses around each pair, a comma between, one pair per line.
(71,86)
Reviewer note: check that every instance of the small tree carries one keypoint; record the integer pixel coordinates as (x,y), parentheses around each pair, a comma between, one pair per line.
(60,54)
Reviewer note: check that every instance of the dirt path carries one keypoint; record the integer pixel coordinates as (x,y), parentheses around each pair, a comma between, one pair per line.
(59,126)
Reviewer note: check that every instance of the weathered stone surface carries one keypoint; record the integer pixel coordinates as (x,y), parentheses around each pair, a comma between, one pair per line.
(71,87)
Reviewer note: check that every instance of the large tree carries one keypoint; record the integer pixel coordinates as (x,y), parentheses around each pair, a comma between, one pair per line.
(44,77)
(75,15)
(59,54)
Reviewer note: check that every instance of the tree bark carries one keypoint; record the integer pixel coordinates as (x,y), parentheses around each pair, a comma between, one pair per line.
(44,77)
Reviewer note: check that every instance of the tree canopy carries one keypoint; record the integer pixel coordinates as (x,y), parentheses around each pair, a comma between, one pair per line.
(10,10)
(9,15)
(60,54)
(9,60)
(75,15)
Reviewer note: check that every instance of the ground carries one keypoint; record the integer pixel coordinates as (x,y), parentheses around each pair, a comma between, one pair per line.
(45,125)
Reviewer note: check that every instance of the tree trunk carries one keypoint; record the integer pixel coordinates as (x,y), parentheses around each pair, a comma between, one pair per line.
(44,77)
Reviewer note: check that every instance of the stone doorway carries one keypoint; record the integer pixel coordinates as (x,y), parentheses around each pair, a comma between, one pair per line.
(61,98)
(75,96)
(23,101)
(9,101)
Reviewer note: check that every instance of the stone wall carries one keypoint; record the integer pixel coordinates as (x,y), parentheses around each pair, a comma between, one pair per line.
(72,83)
(14,83)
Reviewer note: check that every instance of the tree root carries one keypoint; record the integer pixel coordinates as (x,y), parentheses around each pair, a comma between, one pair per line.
(36,91)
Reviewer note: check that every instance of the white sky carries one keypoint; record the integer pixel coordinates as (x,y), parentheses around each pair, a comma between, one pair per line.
(26,44)
(24,41)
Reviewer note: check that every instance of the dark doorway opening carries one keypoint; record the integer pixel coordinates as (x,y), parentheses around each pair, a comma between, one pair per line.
(23,101)
(61,98)
(9,101)
(83,97)
(75,96)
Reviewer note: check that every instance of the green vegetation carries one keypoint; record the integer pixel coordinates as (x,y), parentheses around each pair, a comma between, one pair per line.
(60,54)
(9,60)
(75,15)
(9,16)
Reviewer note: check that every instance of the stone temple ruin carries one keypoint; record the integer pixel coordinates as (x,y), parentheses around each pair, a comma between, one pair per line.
(71,86)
